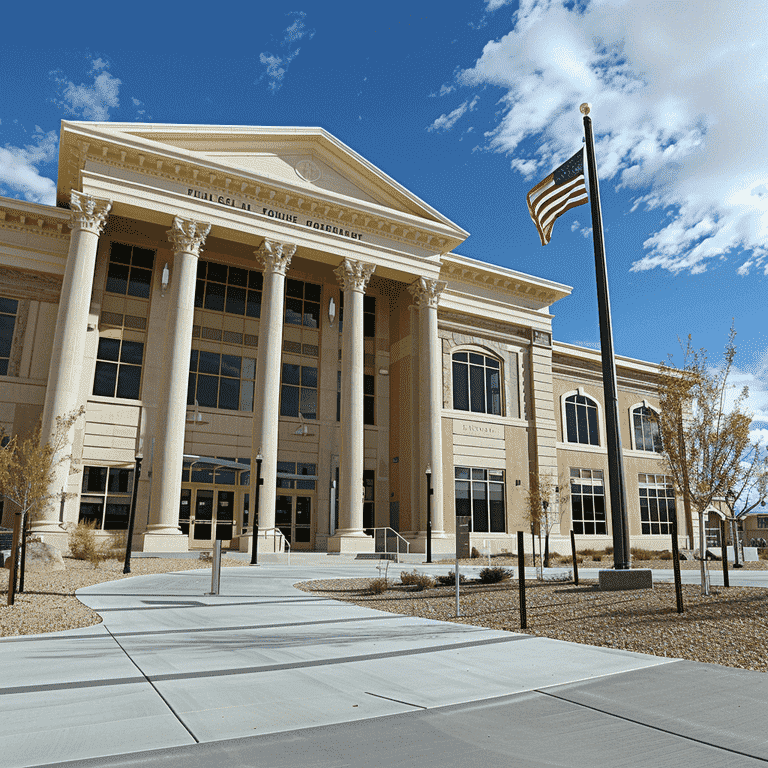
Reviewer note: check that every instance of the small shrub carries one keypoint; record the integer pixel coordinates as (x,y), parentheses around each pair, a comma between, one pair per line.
(763,554)
(474,553)
(495,574)
(665,555)
(415,579)
(114,549)
(450,579)
(377,586)
(642,554)
(83,545)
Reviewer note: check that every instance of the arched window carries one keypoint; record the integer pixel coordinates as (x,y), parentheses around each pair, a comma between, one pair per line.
(581,420)
(476,383)
(646,426)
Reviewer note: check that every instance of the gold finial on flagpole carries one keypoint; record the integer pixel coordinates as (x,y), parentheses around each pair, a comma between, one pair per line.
(584,108)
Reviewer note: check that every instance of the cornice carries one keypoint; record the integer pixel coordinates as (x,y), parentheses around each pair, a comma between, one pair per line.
(469,325)
(175,165)
(34,218)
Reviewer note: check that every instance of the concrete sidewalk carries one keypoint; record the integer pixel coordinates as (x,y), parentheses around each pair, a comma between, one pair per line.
(267,675)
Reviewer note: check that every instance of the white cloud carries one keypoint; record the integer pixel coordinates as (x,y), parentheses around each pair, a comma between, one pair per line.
(447,121)
(277,66)
(94,101)
(759,436)
(678,99)
(494,5)
(19,171)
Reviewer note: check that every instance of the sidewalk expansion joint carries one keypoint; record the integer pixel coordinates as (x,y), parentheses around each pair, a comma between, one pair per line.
(398,701)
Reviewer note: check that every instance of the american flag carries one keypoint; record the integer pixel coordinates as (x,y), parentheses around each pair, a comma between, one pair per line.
(563,189)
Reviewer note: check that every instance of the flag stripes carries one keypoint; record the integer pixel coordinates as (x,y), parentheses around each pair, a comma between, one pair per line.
(563,189)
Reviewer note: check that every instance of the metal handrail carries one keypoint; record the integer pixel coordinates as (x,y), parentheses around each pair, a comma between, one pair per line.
(401,541)
(275,533)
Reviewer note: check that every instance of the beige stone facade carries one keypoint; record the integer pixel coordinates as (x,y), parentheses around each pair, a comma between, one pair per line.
(215,294)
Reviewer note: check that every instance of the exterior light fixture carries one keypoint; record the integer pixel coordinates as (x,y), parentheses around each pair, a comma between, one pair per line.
(165,280)
(331,311)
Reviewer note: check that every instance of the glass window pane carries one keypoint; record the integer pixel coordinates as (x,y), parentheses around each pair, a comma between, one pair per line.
(462,498)
(312,292)
(246,396)
(570,424)
(94,479)
(121,253)
(191,389)
(479,508)
(255,280)
(235,300)
(143,257)
(117,278)
(294,289)
(291,374)
(493,391)
(289,401)
(116,516)
(105,379)
(253,309)
(207,391)
(90,511)
(581,424)
(9,306)
(461,473)
(594,437)
(308,376)
(229,394)
(132,352)
(209,363)
(214,297)
(238,276)
(293,311)
(109,349)
(369,325)
(230,365)
(311,314)
(199,293)
(217,272)
(460,357)
(476,359)
(129,382)
(249,368)
(477,389)
(309,403)
(460,386)
(140,282)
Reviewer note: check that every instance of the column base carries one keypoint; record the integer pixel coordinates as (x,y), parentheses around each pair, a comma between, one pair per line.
(351,541)
(442,543)
(53,534)
(166,541)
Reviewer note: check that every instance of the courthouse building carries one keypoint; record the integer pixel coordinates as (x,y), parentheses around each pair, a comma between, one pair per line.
(211,295)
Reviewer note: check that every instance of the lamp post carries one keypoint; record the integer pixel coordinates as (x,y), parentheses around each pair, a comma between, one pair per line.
(730,498)
(428,473)
(255,512)
(132,514)
(545,505)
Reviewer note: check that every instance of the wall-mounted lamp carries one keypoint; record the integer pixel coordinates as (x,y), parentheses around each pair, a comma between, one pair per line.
(166,278)
(383,372)
(517,482)
(331,311)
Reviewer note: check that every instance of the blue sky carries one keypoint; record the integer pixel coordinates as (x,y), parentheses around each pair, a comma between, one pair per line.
(467,105)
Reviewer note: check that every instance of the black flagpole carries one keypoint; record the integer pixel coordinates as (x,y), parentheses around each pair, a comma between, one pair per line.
(617,487)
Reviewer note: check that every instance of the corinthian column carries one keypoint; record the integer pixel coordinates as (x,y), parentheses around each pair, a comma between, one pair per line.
(354,277)
(426,294)
(187,238)
(64,375)
(275,258)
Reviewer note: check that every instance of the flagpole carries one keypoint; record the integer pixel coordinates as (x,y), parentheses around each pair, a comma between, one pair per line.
(616,483)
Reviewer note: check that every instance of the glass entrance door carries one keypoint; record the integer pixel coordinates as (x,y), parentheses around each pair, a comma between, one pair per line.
(293,516)
(211,516)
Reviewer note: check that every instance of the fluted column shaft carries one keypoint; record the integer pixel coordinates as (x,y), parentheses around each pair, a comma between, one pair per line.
(66,369)
(354,277)
(275,258)
(187,238)
(427,294)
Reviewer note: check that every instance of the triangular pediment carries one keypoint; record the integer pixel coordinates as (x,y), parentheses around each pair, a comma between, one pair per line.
(307,160)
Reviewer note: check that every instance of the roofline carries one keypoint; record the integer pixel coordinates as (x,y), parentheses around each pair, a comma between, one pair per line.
(595,355)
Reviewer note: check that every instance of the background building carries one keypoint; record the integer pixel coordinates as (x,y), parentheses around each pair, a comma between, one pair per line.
(215,293)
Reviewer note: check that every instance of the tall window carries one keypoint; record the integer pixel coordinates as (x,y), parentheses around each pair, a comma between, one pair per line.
(480,495)
(106,497)
(118,368)
(130,270)
(657,503)
(581,420)
(476,383)
(302,303)
(369,399)
(369,517)
(228,289)
(221,381)
(646,425)
(299,391)
(588,501)
(8,309)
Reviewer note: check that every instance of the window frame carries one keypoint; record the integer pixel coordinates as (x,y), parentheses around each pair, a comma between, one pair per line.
(590,482)
(580,392)
(487,482)
(637,406)
(5,360)
(105,496)
(658,483)
(469,364)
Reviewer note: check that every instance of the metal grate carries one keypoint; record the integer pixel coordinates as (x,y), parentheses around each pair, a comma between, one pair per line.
(132,321)
(212,334)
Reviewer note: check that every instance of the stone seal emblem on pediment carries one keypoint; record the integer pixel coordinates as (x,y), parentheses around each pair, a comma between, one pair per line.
(308,170)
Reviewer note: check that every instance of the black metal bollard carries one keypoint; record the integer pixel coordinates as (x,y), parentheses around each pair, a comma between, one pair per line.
(521,579)
(724,554)
(676,567)
(575,562)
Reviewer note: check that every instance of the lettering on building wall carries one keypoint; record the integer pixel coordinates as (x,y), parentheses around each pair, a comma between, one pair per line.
(477,429)
(271,213)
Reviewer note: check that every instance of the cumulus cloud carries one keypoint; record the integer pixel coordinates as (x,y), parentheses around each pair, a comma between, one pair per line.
(447,121)
(276,66)
(678,105)
(19,169)
(93,101)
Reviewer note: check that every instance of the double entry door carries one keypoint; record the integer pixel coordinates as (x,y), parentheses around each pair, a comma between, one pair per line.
(293,516)
(207,514)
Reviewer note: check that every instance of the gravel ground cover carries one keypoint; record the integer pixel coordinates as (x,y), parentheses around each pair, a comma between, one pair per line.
(729,627)
(606,561)
(48,603)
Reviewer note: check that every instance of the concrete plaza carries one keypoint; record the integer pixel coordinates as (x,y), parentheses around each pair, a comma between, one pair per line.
(265,674)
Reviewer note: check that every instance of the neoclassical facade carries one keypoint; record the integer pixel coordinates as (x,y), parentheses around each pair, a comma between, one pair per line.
(220,298)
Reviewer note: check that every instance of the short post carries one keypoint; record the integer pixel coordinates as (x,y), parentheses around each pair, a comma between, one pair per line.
(14,558)
(545,504)
(521,579)
(255,512)
(724,554)
(428,473)
(735,528)
(216,568)
(25,522)
(458,606)
(573,559)
(132,515)
(676,566)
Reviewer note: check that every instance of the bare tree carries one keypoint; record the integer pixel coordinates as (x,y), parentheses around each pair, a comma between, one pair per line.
(26,472)
(546,504)
(706,443)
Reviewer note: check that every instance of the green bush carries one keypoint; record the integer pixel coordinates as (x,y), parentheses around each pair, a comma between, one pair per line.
(495,575)
(418,580)
(377,586)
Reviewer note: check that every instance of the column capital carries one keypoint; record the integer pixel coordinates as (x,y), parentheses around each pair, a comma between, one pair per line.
(88,213)
(354,275)
(426,293)
(275,257)
(188,236)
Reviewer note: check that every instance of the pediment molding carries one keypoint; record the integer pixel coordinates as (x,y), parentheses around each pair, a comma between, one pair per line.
(34,219)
